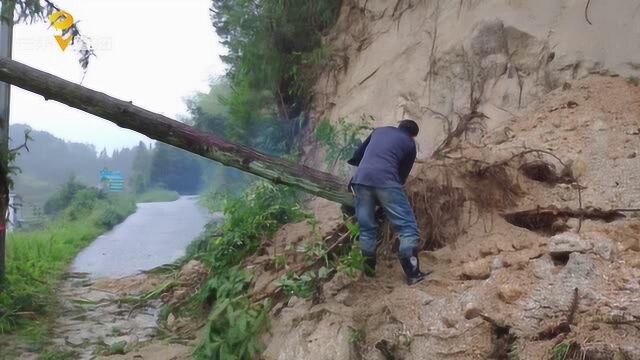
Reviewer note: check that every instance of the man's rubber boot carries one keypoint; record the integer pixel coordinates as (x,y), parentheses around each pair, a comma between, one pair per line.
(369,265)
(411,267)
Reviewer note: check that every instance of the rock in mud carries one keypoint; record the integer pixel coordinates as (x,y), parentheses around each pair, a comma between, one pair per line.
(635,263)
(630,244)
(567,243)
(603,246)
(472,311)
(193,272)
(171,321)
(497,264)
(340,281)
(509,293)
(542,267)
(477,270)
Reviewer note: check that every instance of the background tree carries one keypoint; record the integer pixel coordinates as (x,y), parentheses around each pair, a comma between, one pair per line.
(141,169)
(274,54)
(176,170)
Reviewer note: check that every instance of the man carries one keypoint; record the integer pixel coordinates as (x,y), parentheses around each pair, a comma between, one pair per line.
(384,161)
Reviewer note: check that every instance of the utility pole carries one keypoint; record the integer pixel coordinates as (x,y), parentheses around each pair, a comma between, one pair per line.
(6,39)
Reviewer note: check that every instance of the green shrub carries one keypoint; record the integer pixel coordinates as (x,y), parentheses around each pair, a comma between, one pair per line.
(63,197)
(234,324)
(157,195)
(341,139)
(249,218)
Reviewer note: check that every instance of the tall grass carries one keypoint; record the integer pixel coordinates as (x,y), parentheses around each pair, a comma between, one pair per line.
(36,259)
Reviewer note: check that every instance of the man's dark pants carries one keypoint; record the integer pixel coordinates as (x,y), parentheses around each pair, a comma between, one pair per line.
(399,212)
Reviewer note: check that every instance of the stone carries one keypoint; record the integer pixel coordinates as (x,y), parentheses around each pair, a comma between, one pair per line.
(472,311)
(449,321)
(542,267)
(293,301)
(171,321)
(566,243)
(602,246)
(580,266)
(339,282)
(509,293)
(488,38)
(496,264)
(476,270)
(505,246)
(523,244)
(75,340)
(490,250)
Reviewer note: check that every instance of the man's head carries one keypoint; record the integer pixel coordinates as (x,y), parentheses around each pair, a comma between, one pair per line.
(410,127)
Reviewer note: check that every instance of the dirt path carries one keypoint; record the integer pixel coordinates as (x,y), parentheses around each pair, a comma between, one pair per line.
(92,320)
(103,320)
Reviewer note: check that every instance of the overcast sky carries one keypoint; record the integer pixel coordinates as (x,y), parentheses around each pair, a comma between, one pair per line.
(152,52)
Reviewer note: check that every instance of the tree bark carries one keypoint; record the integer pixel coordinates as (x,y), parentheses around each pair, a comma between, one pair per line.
(169,131)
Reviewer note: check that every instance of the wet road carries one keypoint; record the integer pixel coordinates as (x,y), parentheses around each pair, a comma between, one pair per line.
(156,234)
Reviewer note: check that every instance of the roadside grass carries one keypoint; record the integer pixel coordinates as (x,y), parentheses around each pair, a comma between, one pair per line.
(157,195)
(234,323)
(35,260)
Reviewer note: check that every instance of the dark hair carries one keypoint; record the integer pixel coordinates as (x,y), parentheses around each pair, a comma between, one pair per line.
(410,127)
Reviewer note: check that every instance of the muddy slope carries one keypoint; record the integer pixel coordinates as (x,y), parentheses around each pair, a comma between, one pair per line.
(499,290)
(411,58)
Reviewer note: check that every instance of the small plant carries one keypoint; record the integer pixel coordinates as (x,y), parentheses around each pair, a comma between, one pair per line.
(406,340)
(561,351)
(356,336)
(313,251)
(303,286)
(280,262)
(633,80)
(116,331)
(117,348)
(354,229)
(353,262)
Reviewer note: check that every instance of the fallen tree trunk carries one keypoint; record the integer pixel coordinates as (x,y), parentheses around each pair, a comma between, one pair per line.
(169,131)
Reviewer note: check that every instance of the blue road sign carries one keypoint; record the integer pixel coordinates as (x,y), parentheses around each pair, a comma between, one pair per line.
(112,180)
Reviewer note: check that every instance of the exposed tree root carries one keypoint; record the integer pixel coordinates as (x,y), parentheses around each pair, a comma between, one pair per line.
(387,349)
(563,327)
(504,340)
(466,123)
